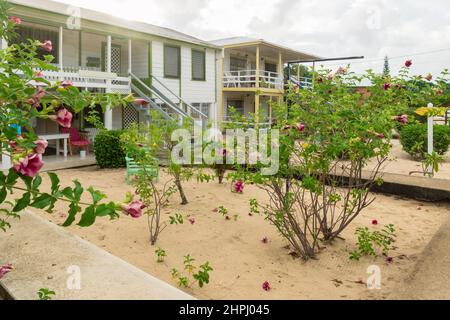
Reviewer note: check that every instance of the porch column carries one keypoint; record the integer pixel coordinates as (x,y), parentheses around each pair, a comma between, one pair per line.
(280,70)
(60,47)
(221,59)
(3,44)
(108,111)
(6,161)
(258,63)
(129,57)
(257,110)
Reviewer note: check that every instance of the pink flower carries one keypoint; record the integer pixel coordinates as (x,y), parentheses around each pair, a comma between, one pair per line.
(5,269)
(191,220)
(265,240)
(40,146)
(341,71)
(239,186)
(35,100)
(39,74)
(402,119)
(141,102)
(408,63)
(439,91)
(66,83)
(429,77)
(320,80)
(300,127)
(375,222)
(15,20)
(266,286)
(63,117)
(386,86)
(29,166)
(134,209)
(47,46)
(330,76)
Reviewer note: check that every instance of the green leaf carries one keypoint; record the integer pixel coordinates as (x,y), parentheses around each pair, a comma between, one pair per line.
(22,203)
(97,196)
(3,194)
(88,217)
(104,210)
(55,181)
(73,210)
(42,201)
(36,183)
(78,190)
(68,193)
(12,177)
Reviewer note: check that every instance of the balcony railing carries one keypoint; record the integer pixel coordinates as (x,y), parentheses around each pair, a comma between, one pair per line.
(247,79)
(91,79)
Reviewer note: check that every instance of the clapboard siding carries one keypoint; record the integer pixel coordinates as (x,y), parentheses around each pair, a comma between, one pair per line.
(198,91)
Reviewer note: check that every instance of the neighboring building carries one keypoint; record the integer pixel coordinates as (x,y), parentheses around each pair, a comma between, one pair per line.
(252,75)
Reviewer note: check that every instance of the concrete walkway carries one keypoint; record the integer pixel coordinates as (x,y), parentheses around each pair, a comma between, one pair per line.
(45,255)
(430,278)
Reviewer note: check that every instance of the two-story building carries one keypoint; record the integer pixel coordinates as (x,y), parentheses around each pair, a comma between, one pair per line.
(176,73)
(252,75)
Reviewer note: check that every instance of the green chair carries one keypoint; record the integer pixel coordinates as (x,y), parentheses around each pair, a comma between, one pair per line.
(134,168)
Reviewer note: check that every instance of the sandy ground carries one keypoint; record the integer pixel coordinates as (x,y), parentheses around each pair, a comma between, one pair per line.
(234,249)
(402,163)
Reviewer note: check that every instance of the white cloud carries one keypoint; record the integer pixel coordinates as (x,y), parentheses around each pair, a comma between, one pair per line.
(328,28)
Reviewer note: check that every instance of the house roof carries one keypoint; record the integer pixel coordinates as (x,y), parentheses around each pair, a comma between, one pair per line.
(87,14)
(288,53)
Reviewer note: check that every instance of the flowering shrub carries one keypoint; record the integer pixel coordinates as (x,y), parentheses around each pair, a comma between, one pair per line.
(25,94)
(328,136)
(414,140)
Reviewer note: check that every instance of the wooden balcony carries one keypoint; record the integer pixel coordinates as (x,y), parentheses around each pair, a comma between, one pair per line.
(249,79)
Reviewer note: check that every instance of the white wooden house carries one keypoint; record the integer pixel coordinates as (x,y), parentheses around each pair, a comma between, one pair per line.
(175,72)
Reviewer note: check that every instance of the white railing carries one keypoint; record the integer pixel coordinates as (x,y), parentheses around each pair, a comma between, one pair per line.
(247,79)
(302,82)
(90,78)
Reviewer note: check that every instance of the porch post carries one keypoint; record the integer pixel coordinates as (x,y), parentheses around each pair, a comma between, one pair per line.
(60,47)
(129,57)
(6,161)
(3,44)
(258,63)
(108,111)
(222,57)
(256,110)
(280,70)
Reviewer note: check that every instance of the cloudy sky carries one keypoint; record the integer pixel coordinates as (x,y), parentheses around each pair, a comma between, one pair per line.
(413,29)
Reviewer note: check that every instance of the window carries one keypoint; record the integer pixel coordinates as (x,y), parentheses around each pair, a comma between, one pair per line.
(198,65)
(271,67)
(27,32)
(238,106)
(172,62)
(237,64)
(203,107)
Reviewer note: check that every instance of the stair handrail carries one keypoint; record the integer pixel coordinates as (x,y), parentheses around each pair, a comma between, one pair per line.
(180,98)
(152,103)
(178,110)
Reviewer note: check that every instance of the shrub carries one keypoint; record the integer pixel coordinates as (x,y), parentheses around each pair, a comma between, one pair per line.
(108,149)
(414,139)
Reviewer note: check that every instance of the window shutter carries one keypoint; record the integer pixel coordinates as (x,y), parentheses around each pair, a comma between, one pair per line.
(171,62)
(198,65)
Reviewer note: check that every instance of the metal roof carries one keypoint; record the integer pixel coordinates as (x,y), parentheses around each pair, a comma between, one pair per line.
(87,14)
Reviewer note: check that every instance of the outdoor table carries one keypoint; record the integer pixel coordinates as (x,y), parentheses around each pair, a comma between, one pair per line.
(58,137)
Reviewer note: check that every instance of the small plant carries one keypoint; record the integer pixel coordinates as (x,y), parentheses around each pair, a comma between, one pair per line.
(160,254)
(45,294)
(253,207)
(223,211)
(369,240)
(177,219)
(201,277)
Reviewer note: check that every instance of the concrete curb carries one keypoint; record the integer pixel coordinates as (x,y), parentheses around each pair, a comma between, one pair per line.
(45,255)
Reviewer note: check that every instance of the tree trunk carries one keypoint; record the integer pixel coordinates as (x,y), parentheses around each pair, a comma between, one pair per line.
(184,200)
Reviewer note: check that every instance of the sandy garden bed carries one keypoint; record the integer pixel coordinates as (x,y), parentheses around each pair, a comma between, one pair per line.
(241,261)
